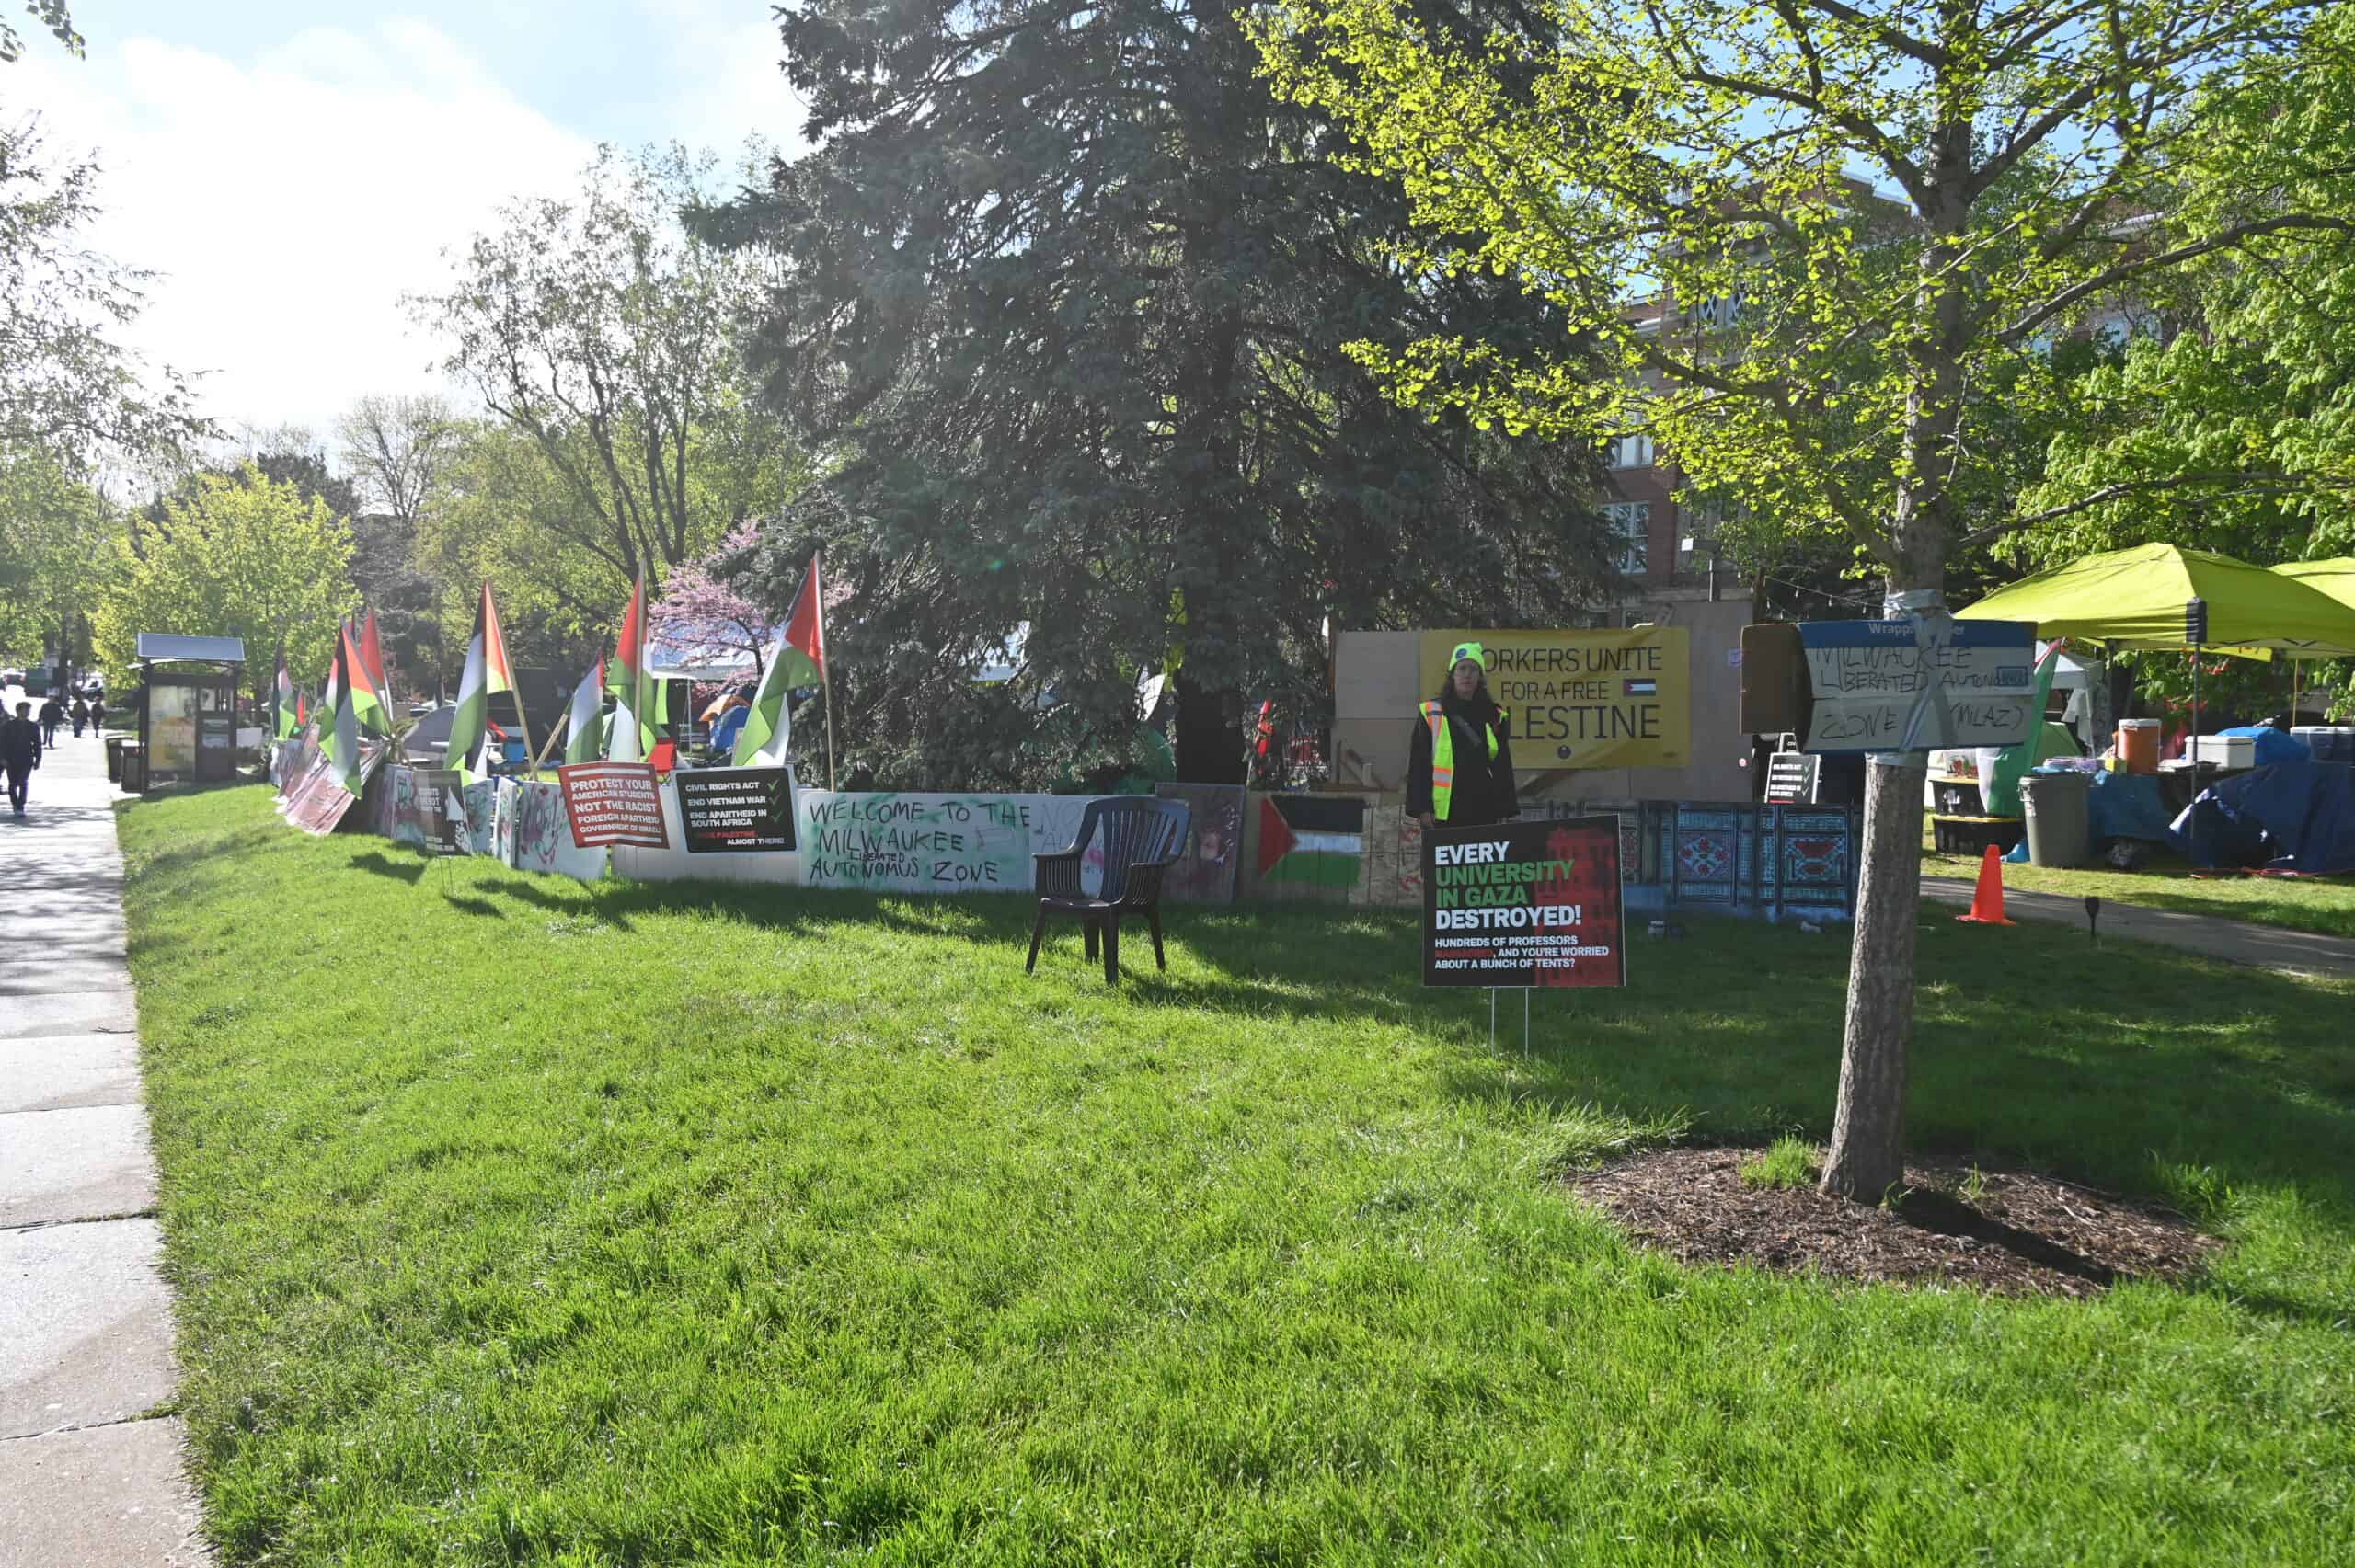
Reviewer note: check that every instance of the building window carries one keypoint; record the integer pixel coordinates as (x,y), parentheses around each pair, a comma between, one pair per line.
(1631,452)
(1631,532)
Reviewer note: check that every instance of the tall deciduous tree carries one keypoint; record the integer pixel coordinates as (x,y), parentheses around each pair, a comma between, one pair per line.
(57,537)
(240,556)
(2221,417)
(599,329)
(502,510)
(1067,287)
(66,381)
(2016,153)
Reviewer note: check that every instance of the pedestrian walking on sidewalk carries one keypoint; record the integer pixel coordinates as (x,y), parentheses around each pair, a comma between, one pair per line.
(98,713)
(52,714)
(19,753)
(81,716)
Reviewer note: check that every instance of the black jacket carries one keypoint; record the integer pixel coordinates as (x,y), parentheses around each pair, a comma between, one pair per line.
(1484,790)
(19,744)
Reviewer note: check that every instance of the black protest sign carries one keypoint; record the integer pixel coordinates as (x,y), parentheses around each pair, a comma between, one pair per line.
(736,810)
(440,795)
(1523,904)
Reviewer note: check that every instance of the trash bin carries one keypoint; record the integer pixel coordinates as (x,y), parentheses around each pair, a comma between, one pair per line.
(2059,807)
(114,759)
(135,768)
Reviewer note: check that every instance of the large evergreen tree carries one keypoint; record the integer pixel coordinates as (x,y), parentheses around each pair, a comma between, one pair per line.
(1068,292)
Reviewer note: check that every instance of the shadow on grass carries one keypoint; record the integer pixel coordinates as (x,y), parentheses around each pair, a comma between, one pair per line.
(378,864)
(470,905)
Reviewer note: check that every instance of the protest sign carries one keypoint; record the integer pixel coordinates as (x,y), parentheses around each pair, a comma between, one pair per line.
(438,807)
(933,844)
(1593,699)
(735,811)
(1523,904)
(1890,686)
(615,803)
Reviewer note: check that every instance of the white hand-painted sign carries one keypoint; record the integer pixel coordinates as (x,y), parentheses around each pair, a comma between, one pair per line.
(1915,685)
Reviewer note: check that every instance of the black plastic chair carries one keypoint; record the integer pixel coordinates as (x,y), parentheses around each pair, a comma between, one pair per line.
(1143,838)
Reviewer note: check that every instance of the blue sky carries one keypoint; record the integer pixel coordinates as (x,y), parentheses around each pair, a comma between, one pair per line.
(289,169)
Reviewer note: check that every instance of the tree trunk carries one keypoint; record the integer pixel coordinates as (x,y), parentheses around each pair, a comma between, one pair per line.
(1210,734)
(1867,1154)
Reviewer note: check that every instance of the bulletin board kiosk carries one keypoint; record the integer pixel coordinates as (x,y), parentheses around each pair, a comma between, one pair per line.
(187,725)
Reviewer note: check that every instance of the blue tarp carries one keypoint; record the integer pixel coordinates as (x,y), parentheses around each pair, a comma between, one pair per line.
(2273,745)
(2289,816)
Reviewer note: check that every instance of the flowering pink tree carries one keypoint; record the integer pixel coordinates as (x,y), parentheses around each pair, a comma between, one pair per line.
(699,607)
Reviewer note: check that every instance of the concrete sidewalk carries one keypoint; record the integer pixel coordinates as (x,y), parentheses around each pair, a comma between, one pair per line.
(2236,942)
(87,1476)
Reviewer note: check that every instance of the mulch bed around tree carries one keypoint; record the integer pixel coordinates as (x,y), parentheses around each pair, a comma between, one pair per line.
(2026,1233)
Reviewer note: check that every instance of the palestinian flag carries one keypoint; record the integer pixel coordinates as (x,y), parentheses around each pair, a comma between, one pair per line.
(369,709)
(1316,841)
(584,728)
(487,673)
(326,712)
(346,720)
(289,716)
(797,660)
(632,735)
(373,694)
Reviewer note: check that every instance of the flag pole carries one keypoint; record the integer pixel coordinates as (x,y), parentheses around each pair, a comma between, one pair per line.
(826,677)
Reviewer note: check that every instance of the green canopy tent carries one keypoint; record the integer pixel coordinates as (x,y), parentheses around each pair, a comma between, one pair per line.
(2336,578)
(2141,598)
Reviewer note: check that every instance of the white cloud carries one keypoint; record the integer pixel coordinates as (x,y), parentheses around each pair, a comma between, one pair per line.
(289,202)
(727,59)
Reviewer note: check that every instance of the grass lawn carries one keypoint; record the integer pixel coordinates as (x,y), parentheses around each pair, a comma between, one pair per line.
(2324,905)
(516,1220)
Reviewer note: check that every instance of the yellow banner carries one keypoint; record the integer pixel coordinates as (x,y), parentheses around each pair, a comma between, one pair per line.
(1603,699)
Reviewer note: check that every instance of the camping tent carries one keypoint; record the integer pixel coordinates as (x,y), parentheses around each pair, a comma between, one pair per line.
(2135,598)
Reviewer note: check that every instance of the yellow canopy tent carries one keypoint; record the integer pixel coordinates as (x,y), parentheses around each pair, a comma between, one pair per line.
(2336,578)
(2141,598)
(2136,599)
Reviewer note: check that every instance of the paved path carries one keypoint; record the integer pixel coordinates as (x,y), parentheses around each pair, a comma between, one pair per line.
(2236,942)
(86,1323)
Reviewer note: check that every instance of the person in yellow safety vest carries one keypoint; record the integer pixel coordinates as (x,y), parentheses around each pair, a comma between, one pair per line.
(1459,765)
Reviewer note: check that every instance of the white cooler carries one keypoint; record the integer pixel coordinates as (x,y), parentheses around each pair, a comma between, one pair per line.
(2224,750)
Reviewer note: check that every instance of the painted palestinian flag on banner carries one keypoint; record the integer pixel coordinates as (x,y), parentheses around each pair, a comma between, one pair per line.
(631,733)
(797,660)
(487,673)
(585,721)
(1315,840)
(283,699)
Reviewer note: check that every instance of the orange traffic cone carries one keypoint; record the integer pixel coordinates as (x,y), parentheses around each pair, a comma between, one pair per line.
(1987,901)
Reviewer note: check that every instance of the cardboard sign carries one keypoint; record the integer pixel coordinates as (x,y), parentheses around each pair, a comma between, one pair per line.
(1523,904)
(1595,699)
(615,803)
(736,810)
(1873,688)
